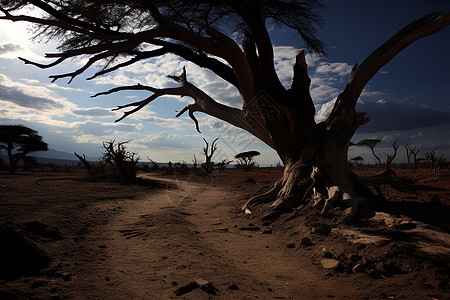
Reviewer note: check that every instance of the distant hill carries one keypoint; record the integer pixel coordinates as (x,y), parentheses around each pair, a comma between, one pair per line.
(59,158)
(61,155)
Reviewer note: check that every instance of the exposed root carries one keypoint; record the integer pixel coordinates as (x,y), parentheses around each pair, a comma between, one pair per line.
(389,177)
(262,198)
(334,193)
(353,205)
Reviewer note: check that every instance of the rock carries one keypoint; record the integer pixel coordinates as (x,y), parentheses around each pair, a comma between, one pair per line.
(202,284)
(353,257)
(66,276)
(291,245)
(405,225)
(328,263)
(34,227)
(206,286)
(233,286)
(322,229)
(267,231)
(359,268)
(19,255)
(306,242)
(435,200)
(186,288)
(388,268)
(52,233)
(251,180)
(250,227)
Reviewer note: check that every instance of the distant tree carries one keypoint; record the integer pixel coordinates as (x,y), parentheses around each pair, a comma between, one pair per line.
(245,160)
(123,161)
(412,151)
(208,151)
(433,161)
(155,165)
(355,161)
(223,164)
(371,144)
(181,167)
(390,157)
(231,39)
(19,141)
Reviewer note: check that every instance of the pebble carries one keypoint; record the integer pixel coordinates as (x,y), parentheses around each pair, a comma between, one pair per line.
(328,263)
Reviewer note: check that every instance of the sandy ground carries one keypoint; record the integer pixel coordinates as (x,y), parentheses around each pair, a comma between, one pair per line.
(186,238)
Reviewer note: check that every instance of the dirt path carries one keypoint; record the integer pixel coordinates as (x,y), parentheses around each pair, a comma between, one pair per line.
(135,243)
(155,245)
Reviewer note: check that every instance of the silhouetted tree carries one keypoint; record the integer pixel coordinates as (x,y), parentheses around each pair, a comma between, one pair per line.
(119,34)
(19,141)
(208,151)
(390,157)
(371,144)
(412,151)
(124,162)
(245,160)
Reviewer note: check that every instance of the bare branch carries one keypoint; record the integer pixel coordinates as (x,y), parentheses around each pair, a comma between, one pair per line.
(344,108)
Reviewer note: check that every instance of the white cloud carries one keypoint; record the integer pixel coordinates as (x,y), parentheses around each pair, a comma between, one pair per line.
(324,111)
(339,68)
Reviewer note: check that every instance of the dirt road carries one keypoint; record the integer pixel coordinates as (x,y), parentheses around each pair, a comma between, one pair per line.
(188,240)
(157,244)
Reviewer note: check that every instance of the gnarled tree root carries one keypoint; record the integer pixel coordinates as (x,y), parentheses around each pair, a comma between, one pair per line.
(262,198)
(296,188)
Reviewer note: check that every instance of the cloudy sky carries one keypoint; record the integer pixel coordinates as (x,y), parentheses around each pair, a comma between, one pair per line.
(407,101)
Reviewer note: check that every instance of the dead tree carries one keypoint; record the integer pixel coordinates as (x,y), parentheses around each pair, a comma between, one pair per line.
(208,165)
(433,162)
(314,154)
(371,144)
(195,165)
(123,161)
(412,151)
(391,157)
(222,165)
(85,163)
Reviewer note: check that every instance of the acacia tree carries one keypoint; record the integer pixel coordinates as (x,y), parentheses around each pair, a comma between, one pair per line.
(371,143)
(19,141)
(245,160)
(119,32)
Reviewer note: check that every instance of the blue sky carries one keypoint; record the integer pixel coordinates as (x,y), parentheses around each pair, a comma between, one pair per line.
(407,101)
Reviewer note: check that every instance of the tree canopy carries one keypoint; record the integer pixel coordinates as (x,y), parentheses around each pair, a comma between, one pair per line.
(19,141)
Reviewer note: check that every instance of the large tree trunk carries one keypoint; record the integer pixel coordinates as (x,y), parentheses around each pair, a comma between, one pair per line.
(315,155)
(320,176)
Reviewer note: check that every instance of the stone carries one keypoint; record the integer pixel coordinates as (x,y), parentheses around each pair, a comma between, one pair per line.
(251,180)
(267,231)
(19,255)
(306,242)
(436,200)
(233,286)
(322,229)
(328,263)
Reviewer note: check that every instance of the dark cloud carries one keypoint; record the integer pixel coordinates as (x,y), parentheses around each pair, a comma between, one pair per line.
(94,112)
(394,116)
(7,48)
(20,98)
